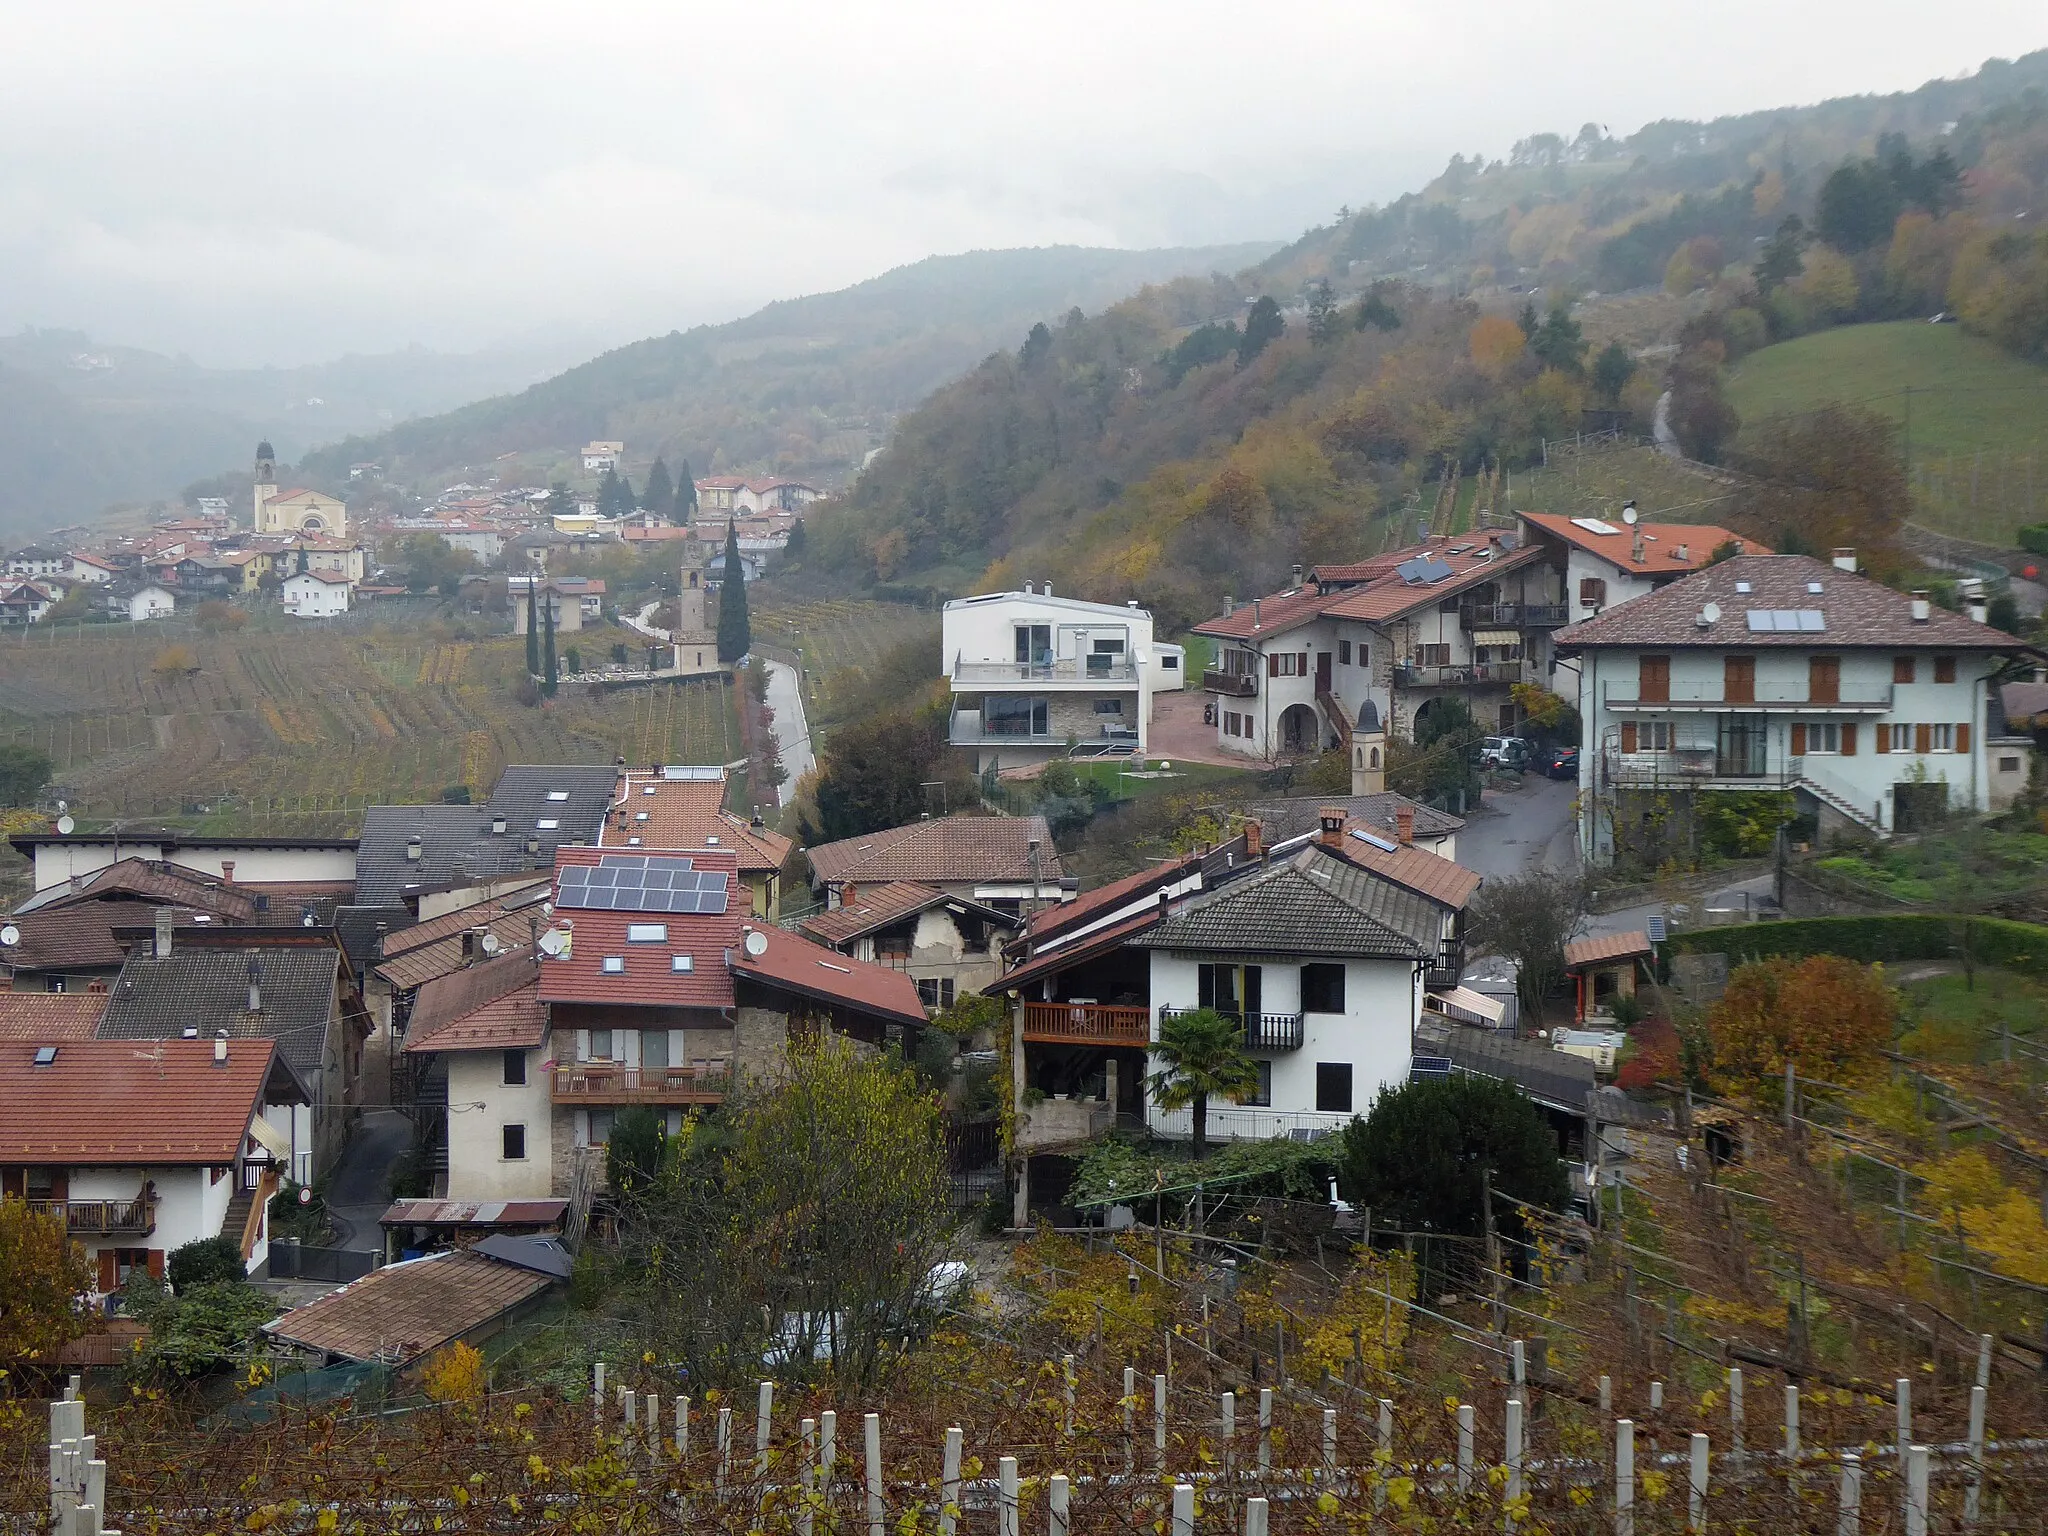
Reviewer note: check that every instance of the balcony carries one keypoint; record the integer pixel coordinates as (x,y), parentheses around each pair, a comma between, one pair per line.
(1698,768)
(1073,671)
(597,1082)
(1476,674)
(1768,696)
(1514,615)
(1237,685)
(1087,1024)
(1262,1031)
(101,1218)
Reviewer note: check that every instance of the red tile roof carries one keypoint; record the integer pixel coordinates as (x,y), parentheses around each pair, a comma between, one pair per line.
(130,1101)
(791,964)
(872,907)
(1855,612)
(689,813)
(490,1006)
(1605,947)
(44,1018)
(1391,596)
(1662,542)
(1416,869)
(404,1311)
(1372,591)
(952,849)
(649,977)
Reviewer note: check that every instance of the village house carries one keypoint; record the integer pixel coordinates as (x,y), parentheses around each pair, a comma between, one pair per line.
(683,806)
(1781,672)
(95,569)
(24,602)
(719,496)
(948,945)
(36,560)
(438,858)
(326,864)
(573,600)
(601,456)
(314,595)
(142,1151)
(1005,862)
(1035,676)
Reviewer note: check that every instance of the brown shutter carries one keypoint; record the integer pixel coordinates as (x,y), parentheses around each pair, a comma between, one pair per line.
(156,1263)
(1301,663)
(1963,737)
(1273,664)
(107,1276)
(1923,737)
(1628,737)
(1884,738)
(1798,739)
(1849,737)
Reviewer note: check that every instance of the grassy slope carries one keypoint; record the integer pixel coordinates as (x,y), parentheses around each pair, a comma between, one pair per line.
(1969,399)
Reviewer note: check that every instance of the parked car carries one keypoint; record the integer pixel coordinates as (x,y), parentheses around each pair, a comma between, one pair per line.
(1563,763)
(1509,752)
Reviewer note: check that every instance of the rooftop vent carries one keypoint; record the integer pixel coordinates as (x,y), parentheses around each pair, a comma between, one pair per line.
(1922,607)
(497,826)
(412,850)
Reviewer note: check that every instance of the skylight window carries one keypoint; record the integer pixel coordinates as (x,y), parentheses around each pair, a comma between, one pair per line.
(1743,586)
(547,824)
(647,933)
(1594,525)
(682,964)
(1813,588)
(639,815)
(615,965)
(46,1055)
(648,790)
(558,794)
(1786,621)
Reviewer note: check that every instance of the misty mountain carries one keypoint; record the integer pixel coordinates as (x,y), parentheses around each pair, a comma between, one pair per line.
(802,387)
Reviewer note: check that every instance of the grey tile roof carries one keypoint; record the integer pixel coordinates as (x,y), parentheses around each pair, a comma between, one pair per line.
(357,928)
(207,987)
(1283,819)
(456,841)
(1310,904)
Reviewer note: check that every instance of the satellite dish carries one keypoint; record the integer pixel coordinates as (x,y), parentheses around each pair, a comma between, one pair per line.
(10,936)
(490,944)
(554,943)
(1630,515)
(757,943)
(1711,613)
(66,825)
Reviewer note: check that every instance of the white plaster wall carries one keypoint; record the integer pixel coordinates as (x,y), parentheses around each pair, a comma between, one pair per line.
(477,1168)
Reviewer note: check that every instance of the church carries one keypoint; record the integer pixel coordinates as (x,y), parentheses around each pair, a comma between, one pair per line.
(297,510)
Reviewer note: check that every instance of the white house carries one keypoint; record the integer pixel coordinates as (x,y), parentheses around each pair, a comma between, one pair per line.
(1033,674)
(1781,672)
(490,1029)
(90,568)
(35,560)
(148,601)
(601,456)
(144,1148)
(315,594)
(1466,617)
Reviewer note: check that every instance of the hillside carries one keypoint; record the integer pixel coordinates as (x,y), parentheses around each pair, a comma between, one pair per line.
(84,424)
(1978,415)
(803,387)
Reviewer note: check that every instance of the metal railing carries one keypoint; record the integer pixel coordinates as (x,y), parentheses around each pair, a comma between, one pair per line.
(1697,768)
(1088,1023)
(1239,685)
(1066,669)
(1232,1122)
(1514,615)
(1262,1031)
(1467,675)
(597,1083)
(137,1215)
(1766,694)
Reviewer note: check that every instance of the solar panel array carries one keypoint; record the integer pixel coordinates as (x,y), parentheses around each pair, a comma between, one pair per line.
(629,882)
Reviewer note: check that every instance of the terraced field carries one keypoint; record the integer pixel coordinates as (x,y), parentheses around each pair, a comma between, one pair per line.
(295,730)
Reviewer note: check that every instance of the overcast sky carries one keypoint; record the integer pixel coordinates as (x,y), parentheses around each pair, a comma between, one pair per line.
(282,183)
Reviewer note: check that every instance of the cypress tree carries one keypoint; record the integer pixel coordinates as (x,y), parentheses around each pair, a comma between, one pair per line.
(660,496)
(532,626)
(686,493)
(552,676)
(735,633)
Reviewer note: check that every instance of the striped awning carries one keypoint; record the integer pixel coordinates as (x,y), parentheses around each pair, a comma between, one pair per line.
(1497,637)
(1467,1005)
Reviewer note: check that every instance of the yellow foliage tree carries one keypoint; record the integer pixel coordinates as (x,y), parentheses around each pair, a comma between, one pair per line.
(1825,1014)
(42,1275)
(1996,1218)
(174,661)
(1828,283)
(454,1374)
(1496,343)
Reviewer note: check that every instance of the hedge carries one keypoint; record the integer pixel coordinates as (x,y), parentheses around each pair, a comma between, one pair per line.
(2034,538)
(1885,937)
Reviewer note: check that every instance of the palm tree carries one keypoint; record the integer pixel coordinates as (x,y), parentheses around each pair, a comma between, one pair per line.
(1201,1055)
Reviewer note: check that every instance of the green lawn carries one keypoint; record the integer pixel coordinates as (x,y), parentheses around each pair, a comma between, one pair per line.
(1979,428)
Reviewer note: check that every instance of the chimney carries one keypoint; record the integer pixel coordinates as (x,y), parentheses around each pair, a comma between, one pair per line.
(1921,606)
(1130,602)
(1332,818)
(412,849)
(1255,613)
(1404,825)
(1297,573)
(1844,560)
(1681,553)
(1229,605)
(497,826)
(220,1049)
(255,986)
(1048,589)
(1030,589)
(227,871)
(1254,840)
(849,894)
(1635,548)
(1979,608)
(164,919)
(472,945)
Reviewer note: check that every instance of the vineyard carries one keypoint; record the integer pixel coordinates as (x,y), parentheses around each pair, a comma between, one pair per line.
(279,730)
(839,632)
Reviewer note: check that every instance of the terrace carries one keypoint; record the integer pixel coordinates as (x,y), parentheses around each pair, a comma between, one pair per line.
(1087,1024)
(601,1083)
(101,1218)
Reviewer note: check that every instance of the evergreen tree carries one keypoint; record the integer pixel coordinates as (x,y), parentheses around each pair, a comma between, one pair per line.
(1528,322)
(1322,312)
(1612,370)
(614,495)
(1037,346)
(552,675)
(532,625)
(793,551)
(1559,342)
(735,634)
(1781,258)
(1264,324)
(660,496)
(686,493)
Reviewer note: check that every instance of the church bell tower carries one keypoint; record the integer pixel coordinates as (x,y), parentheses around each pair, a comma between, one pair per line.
(266,484)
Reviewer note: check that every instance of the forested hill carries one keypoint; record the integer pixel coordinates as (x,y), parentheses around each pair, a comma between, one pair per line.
(1200,438)
(803,387)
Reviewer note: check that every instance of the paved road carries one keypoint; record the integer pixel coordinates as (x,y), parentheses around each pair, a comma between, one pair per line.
(792,726)
(358,1192)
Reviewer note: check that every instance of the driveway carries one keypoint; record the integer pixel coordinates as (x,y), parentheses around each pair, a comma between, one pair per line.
(358,1191)
(1518,831)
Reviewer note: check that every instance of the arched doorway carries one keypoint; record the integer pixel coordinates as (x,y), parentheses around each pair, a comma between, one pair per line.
(1299,730)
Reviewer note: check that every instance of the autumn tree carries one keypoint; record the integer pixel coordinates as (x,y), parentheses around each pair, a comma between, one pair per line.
(1496,344)
(1701,416)
(1825,1015)
(1529,919)
(1826,478)
(42,1275)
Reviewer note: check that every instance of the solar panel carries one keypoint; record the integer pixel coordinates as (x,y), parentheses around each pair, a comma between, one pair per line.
(1655,928)
(628,882)
(1430,1066)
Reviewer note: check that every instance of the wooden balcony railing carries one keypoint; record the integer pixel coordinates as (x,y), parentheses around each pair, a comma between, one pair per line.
(1239,685)
(602,1083)
(101,1216)
(1087,1024)
(1262,1031)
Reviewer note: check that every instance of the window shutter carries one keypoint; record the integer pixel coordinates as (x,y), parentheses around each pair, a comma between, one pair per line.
(1273,664)
(1798,739)
(1923,737)
(1301,664)
(156,1263)
(107,1276)
(1963,737)
(1628,738)
(1849,737)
